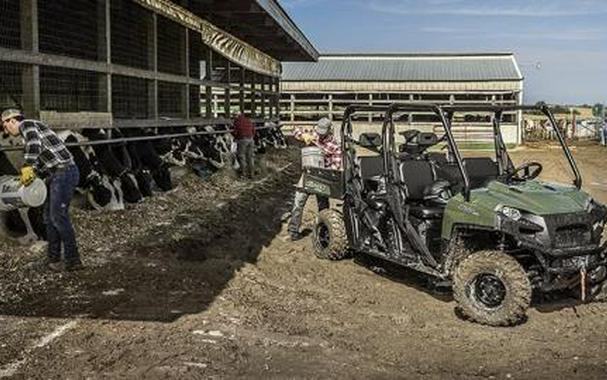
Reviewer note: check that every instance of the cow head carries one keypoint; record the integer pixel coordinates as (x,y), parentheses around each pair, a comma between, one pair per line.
(162,178)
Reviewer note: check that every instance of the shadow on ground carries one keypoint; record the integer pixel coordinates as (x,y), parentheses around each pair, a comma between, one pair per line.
(168,272)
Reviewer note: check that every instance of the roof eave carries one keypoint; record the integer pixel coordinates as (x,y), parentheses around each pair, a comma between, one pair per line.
(277,12)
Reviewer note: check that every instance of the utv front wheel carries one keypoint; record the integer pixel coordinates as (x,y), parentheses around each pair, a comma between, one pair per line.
(492,288)
(330,239)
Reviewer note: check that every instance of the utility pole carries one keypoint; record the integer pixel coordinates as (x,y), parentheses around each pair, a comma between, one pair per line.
(603,126)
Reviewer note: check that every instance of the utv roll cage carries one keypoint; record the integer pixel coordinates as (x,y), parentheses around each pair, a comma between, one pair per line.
(445,114)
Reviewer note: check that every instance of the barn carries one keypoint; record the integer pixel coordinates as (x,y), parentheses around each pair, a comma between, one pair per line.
(121,79)
(324,88)
(145,63)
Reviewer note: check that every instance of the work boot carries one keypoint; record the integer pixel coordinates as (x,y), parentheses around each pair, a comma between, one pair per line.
(73,265)
(55,266)
(46,264)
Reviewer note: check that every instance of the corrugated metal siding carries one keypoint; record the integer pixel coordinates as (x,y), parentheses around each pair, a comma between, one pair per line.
(497,68)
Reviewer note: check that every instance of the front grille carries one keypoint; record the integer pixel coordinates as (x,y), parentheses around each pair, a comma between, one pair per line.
(572,236)
(574,230)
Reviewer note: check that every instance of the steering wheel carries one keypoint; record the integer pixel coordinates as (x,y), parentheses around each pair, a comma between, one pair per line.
(530,170)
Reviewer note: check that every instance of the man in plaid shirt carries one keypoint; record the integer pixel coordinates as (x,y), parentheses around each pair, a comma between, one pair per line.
(46,155)
(322,137)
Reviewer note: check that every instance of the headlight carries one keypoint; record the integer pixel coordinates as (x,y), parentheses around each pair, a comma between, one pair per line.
(511,212)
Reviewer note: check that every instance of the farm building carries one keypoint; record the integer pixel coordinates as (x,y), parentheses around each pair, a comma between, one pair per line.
(324,88)
(135,63)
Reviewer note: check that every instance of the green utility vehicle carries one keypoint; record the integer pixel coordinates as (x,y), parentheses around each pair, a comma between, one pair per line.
(492,231)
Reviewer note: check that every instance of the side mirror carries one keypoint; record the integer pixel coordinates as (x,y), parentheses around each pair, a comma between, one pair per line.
(370,140)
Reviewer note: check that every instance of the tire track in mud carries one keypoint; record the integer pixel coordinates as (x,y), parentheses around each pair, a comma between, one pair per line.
(12,368)
(123,283)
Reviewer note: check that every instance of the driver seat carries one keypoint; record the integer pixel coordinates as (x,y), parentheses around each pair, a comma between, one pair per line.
(428,195)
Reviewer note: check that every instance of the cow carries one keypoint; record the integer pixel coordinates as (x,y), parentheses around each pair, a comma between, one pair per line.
(169,150)
(100,191)
(269,136)
(147,162)
(207,145)
(277,137)
(115,162)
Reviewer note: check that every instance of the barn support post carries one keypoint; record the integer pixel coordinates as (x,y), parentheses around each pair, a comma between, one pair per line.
(208,67)
(241,92)
(227,101)
(263,96)
(153,63)
(30,77)
(104,48)
(253,95)
(186,70)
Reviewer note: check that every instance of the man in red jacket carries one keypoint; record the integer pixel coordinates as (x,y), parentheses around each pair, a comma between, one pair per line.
(244,134)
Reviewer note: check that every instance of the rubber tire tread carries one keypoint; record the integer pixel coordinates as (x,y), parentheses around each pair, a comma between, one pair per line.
(337,249)
(511,273)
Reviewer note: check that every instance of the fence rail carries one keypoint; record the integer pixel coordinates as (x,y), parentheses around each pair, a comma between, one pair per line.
(122,140)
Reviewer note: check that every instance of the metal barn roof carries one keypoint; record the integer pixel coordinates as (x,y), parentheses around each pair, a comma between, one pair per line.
(405,68)
(262,23)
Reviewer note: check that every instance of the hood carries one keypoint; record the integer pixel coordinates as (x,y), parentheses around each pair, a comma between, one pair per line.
(536,197)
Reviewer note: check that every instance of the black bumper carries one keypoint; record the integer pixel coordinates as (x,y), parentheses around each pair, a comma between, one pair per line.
(563,243)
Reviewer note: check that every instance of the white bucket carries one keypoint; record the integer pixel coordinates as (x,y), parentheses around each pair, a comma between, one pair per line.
(312,156)
(14,195)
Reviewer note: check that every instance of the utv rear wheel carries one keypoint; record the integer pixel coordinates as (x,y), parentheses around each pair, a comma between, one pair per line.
(330,239)
(492,288)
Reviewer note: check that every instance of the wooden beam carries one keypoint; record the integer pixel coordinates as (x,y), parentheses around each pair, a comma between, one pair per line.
(186,62)
(227,101)
(263,96)
(208,89)
(30,77)
(241,90)
(104,48)
(253,94)
(153,55)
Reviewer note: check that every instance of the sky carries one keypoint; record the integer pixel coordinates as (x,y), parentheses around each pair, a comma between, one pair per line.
(560,45)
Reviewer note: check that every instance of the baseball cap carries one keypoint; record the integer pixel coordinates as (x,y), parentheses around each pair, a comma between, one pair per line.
(10,113)
(323,126)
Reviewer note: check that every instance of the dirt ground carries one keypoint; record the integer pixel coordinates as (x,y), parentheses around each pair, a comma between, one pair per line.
(201,283)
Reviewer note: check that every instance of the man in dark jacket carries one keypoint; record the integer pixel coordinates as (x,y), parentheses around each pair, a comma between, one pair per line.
(45,155)
(244,134)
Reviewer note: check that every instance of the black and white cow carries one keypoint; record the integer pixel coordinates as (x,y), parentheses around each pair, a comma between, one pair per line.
(116,163)
(209,145)
(101,192)
(269,136)
(147,163)
(168,149)
(276,136)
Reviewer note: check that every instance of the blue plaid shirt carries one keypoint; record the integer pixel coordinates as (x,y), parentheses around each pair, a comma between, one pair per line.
(44,150)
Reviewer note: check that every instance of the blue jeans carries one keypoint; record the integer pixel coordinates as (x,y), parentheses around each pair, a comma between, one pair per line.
(245,153)
(299,202)
(61,185)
